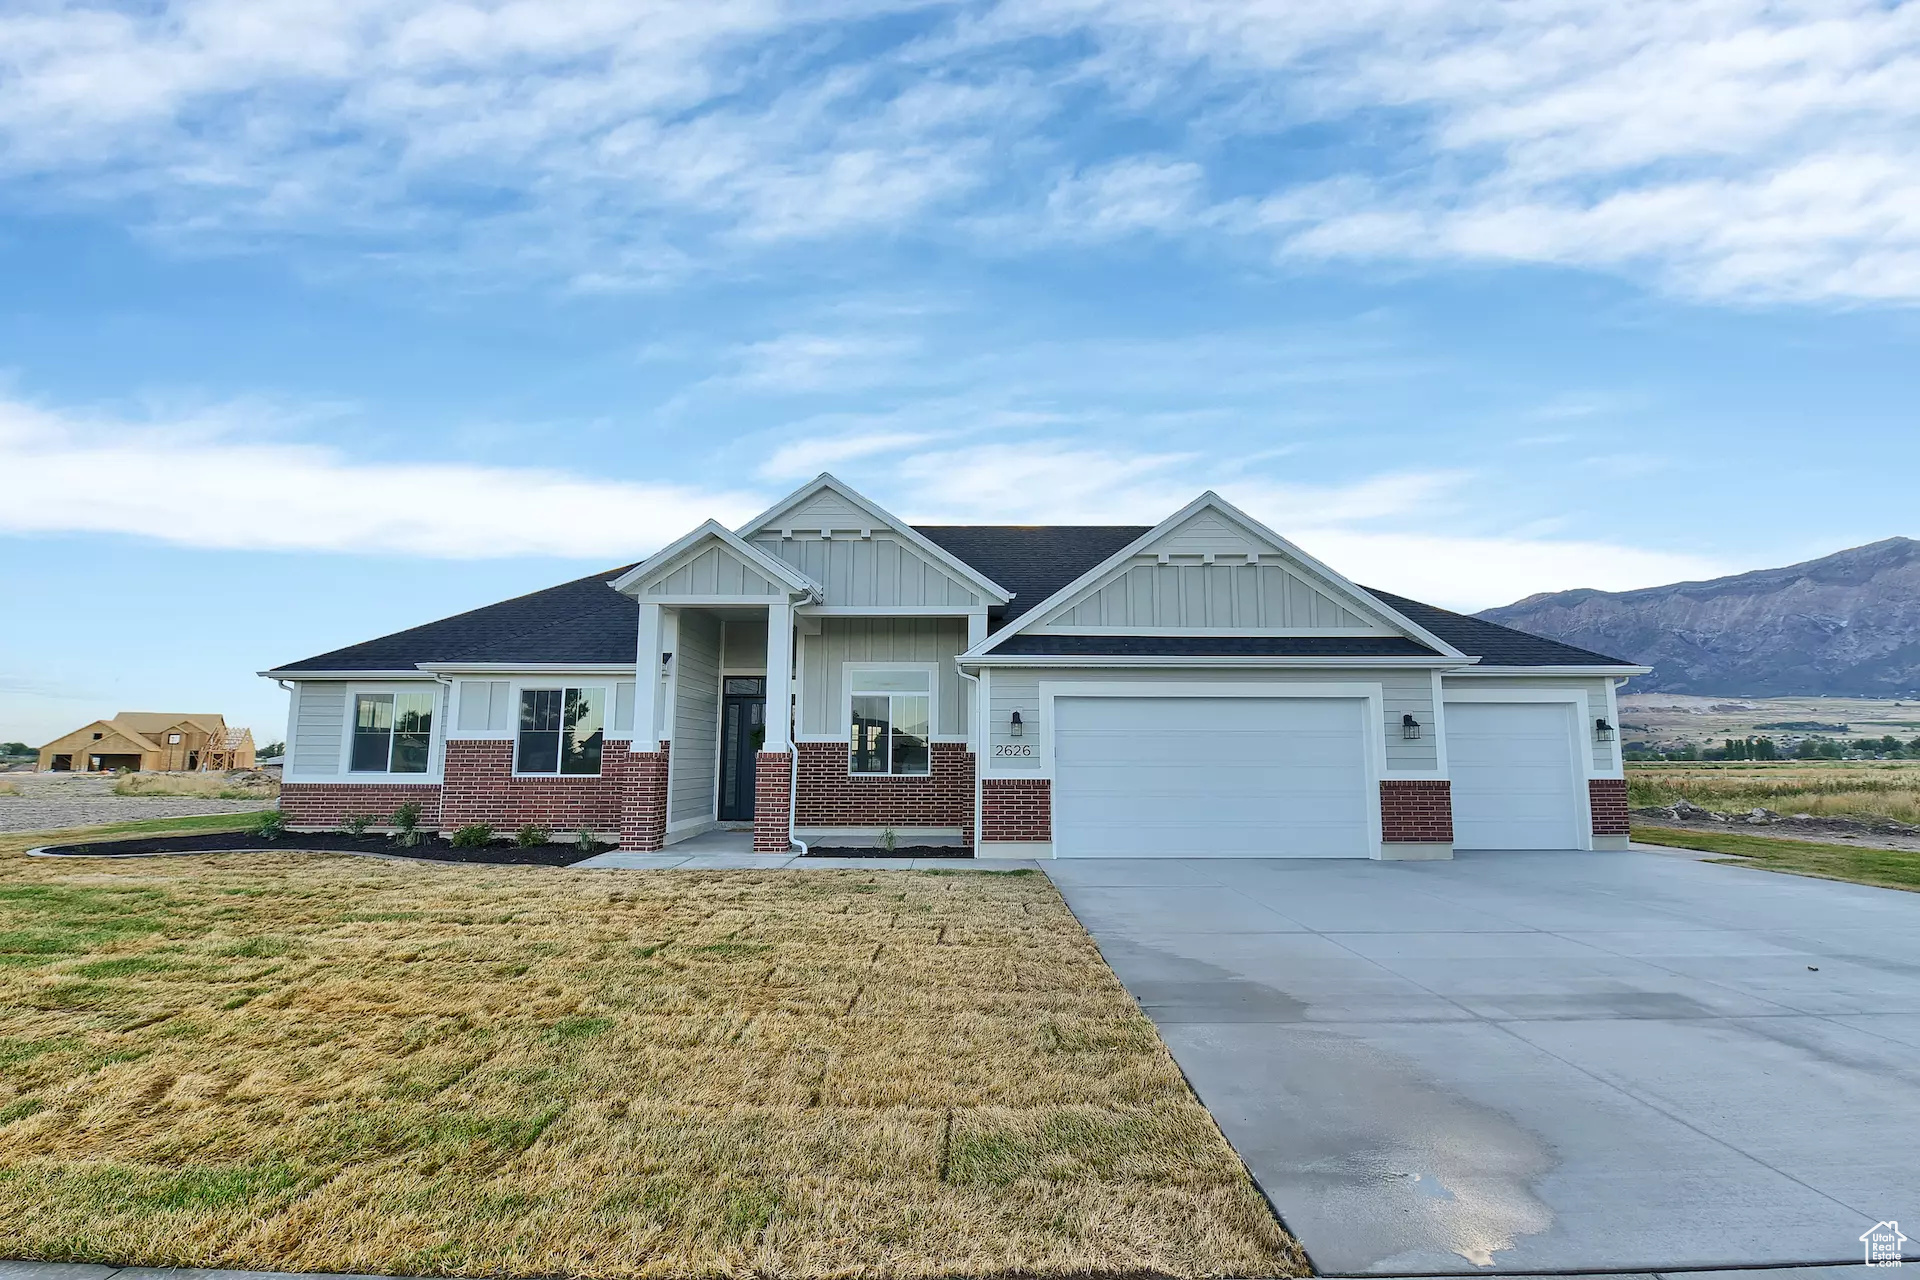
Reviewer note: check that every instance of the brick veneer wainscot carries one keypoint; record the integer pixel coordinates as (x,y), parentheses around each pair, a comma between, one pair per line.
(1607,801)
(480,787)
(772,784)
(1016,810)
(830,796)
(1416,811)
(328,804)
(643,798)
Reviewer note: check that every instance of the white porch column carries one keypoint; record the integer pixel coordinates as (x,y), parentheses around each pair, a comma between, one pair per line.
(779,678)
(646,687)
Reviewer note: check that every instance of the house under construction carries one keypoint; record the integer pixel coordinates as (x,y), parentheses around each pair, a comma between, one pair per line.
(151,742)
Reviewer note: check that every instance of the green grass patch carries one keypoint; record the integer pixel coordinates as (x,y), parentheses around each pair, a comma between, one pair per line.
(1883,868)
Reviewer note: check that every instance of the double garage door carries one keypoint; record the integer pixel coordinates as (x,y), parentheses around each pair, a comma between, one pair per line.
(1252,777)
(1185,777)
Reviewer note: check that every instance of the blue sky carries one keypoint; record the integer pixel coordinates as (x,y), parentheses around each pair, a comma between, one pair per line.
(320,318)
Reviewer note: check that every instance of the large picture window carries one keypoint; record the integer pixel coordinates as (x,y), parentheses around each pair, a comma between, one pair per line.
(892,713)
(560,731)
(392,732)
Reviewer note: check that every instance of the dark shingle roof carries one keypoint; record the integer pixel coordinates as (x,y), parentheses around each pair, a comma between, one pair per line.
(1032,561)
(1215,646)
(588,621)
(580,621)
(1495,645)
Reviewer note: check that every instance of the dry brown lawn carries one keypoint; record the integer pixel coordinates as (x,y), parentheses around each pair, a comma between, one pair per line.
(1841,788)
(304,1062)
(209,786)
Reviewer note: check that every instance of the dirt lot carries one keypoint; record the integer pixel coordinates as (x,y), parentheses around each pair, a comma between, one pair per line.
(49,801)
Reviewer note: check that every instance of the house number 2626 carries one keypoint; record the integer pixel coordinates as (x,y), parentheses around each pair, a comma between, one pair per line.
(1013,748)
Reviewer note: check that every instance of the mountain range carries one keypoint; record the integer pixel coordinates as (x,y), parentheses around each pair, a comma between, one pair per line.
(1845,625)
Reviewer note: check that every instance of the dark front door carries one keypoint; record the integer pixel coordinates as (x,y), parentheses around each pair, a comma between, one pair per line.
(743,727)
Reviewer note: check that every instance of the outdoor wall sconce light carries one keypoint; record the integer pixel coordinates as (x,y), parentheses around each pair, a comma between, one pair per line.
(1602,731)
(1017,728)
(1409,728)
(666,662)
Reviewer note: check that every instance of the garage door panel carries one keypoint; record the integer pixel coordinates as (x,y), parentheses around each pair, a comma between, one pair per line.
(1210,777)
(1515,781)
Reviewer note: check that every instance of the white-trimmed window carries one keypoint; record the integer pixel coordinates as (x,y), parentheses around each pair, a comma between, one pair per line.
(890,720)
(392,732)
(560,731)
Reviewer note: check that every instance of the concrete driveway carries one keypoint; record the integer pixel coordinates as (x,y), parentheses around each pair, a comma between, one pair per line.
(1538,1061)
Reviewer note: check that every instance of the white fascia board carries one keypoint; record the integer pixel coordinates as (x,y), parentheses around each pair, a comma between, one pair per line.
(971,660)
(629,582)
(1031,618)
(409,673)
(1554,670)
(770,519)
(534,668)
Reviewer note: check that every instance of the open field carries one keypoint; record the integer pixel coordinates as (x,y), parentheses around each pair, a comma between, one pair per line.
(309,1063)
(212,786)
(1675,719)
(52,801)
(1837,788)
(1887,868)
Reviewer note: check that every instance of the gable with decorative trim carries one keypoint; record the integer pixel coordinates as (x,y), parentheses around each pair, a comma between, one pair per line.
(1211,573)
(862,556)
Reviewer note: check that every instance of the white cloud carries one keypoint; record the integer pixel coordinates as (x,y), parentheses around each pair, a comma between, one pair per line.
(204,483)
(1727,149)
(211,481)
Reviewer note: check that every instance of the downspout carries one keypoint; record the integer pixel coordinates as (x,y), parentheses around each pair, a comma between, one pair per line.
(974,741)
(793,796)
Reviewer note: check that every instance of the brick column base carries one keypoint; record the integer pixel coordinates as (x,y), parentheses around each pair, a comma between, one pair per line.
(643,801)
(1607,801)
(1416,811)
(772,784)
(1016,810)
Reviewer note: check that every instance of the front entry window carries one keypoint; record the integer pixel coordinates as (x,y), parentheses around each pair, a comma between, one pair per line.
(891,720)
(560,731)
(392,732)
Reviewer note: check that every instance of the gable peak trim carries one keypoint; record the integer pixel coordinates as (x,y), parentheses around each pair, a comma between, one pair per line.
(635,579)
(1030,621)
(827,482)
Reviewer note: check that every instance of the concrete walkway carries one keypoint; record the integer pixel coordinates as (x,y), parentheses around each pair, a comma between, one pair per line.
(1538,1062)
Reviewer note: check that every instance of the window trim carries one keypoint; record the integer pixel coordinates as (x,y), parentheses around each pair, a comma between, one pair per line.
(603,685)
(436,739)
(848,672)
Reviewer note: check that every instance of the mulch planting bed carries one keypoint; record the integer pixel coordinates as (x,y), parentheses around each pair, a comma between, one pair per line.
(431,848)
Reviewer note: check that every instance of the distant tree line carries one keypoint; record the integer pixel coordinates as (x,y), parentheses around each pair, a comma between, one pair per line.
(1810,748)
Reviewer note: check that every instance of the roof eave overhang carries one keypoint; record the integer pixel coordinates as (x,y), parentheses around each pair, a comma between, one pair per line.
(1436,662)
(321,673)
(1599,669)
(507,668)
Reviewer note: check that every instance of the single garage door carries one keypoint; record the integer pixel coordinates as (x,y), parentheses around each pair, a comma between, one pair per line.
(1177,777)
(1514,781)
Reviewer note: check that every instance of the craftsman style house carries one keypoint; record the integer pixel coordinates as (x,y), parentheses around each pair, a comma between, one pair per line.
(828,673)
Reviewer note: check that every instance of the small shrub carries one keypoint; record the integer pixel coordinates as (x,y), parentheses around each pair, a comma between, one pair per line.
(530,836)
(889,839)
(357,825)
(475,835)
(586,843)
(406,824)
(270,825)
